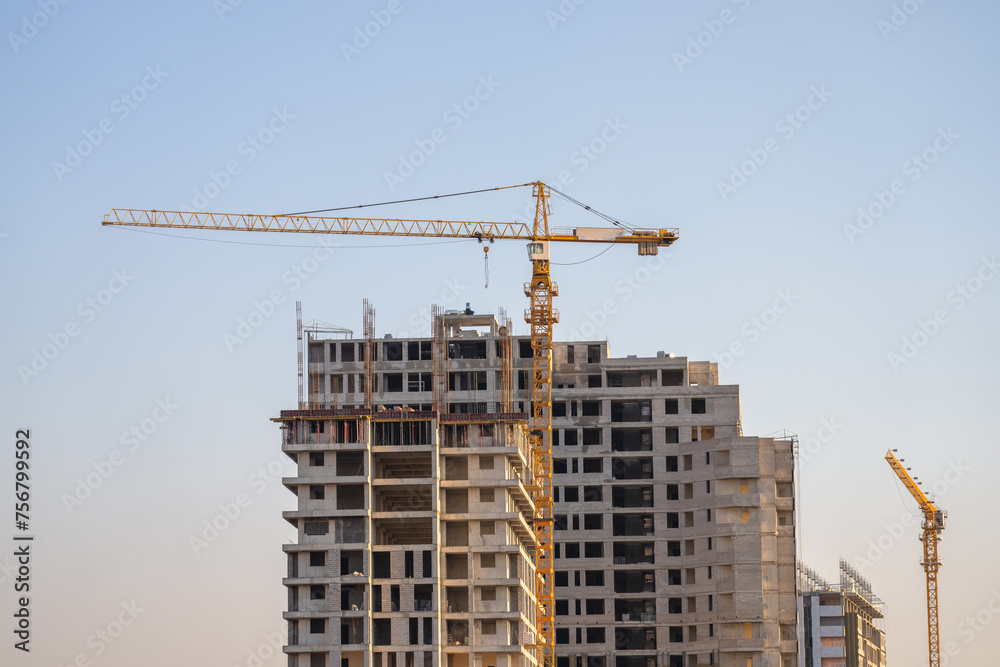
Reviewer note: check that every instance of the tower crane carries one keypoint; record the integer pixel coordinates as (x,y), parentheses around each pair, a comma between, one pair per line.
(540,315)
(932,525)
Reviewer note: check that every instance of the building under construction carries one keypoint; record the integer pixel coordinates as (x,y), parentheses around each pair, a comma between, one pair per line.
(674,532)
(841,623)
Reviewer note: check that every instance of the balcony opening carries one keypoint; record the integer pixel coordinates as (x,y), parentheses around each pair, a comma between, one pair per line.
(462,349)
(352,597)
(351,497)
(638,468)
(639,378)
(423,597)
(382,632)
(350,464)
(631,411)
(418,350)
(630,553)
(631,440)
(631,496)
(673,378)
(457,599)
(634,581)
(381,565)
(643,610)
(633,639)
(456,566)
(392,383)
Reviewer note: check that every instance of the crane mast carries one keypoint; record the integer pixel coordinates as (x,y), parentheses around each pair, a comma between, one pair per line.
(933,525)
(540,316)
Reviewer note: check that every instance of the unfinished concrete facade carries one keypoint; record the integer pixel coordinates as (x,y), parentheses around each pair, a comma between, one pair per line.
(414,541)
(674,533)
(841,623)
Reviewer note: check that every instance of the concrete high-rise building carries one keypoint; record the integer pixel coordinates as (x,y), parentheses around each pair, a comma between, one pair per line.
(675,538)
(841,623)
(415,546)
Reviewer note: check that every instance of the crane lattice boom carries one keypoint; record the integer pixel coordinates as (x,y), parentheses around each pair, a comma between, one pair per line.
(247,222)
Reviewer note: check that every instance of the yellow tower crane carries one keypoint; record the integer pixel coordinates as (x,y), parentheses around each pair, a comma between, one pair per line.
(540,316)
(932,526)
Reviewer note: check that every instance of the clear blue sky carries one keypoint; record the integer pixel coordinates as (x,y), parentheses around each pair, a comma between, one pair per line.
(761,144)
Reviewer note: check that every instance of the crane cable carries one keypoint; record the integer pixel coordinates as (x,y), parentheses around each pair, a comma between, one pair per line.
(405,201)
(582,261)
(901,498)
(614,221)
(486,250)
(486,259)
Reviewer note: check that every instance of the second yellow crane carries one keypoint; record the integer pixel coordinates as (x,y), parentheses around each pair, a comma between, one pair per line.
(932,525)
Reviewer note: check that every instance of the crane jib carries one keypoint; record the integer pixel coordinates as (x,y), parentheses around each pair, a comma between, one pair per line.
(382,227)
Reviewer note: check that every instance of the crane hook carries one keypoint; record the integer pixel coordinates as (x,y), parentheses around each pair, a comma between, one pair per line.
(486,259)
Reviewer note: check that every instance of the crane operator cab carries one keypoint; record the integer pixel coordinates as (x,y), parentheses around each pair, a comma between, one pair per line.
(538,250)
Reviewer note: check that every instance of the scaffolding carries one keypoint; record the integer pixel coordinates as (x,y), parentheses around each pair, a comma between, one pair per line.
(369,333)
(506,354)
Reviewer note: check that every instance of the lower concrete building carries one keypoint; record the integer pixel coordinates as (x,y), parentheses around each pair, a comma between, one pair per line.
(841,623)
(415,546)
(689,562)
